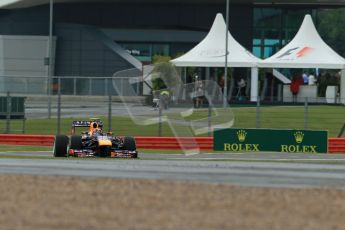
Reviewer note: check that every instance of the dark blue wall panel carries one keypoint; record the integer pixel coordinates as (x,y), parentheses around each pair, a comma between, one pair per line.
(79,53)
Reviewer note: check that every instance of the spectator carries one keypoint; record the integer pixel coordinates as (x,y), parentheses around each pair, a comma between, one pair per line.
(199,93)
(241,84)
(312,79)
(164,99)
(294,86)
(221,83)
(305,79)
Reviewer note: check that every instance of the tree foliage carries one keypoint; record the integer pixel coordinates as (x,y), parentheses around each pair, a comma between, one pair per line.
(332,30)
(164,74)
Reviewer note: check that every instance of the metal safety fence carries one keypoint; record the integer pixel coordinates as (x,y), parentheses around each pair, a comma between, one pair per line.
(119,102)
(183,117)
(69,85)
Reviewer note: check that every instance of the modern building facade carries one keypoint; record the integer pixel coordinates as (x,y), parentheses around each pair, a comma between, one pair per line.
(100,38)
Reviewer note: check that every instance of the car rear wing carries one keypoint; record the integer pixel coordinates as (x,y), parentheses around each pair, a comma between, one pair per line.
(81,124)
(85,124)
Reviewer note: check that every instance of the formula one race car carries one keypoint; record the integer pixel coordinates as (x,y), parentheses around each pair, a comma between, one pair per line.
(94,142)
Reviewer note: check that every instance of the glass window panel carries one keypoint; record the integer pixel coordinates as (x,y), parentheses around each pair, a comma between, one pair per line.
(140,51)
(256,41)
(267,17)
(288,36)
(160,49)
(257,51)
(272,42)
(273,28)
(145,51)
(144,59)
(268,51)
(284,42)
(294,18)
(272,34)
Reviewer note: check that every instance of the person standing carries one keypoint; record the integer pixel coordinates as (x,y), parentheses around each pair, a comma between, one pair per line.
(164,99)
(241,84)
(296,81)
(221,83)
(305,78)
(311,79)
(199,93)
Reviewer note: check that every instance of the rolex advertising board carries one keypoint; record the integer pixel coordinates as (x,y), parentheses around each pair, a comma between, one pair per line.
(273,140)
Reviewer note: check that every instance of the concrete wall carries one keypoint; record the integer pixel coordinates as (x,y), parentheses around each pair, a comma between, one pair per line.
(23,55)
(21,60)
(305,91)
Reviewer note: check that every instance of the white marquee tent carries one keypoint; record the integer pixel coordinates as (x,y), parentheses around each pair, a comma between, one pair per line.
(307,50)
(210,52)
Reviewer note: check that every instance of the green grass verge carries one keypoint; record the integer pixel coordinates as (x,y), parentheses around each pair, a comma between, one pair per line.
(323,117)
(25,157)
(16,148)
(11,148)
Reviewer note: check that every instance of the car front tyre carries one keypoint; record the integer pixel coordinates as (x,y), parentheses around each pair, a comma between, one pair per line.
(60,146)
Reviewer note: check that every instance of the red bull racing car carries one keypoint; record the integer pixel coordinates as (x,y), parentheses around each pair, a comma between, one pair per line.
(94,142)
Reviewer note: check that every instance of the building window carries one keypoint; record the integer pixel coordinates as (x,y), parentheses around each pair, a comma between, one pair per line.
(145,51)
(274,27)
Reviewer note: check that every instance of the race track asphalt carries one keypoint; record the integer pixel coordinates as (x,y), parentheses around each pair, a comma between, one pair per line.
(249,169)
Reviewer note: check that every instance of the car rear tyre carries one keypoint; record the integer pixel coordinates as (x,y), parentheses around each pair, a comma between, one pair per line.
(75,142)
(129,144)
(60,146)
